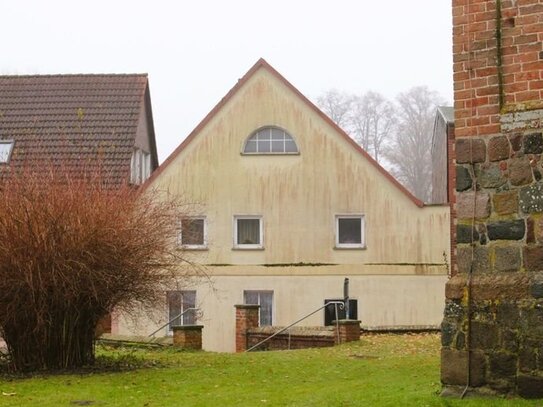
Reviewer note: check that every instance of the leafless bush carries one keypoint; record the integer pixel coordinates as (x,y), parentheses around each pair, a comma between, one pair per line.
(71,250)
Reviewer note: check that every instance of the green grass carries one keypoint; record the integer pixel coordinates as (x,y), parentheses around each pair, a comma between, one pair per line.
(380,370)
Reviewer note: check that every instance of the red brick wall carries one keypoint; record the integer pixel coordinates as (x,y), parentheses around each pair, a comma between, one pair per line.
(304,337)
(188,336)
(246,318)
(284,342)
(477,76)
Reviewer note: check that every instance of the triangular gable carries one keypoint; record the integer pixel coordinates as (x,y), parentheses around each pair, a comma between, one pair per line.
(261,63)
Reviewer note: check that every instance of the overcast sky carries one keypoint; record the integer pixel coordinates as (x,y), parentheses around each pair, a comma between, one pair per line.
(195,51)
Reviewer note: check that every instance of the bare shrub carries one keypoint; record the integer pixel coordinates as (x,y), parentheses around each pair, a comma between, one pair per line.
(71,250)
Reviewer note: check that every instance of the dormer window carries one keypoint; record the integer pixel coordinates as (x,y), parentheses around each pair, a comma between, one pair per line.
(270,140)
(140,166)
(6,147)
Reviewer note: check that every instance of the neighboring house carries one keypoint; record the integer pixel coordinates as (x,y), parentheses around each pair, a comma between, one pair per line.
(287,206)
(443,171)
(80,122)
(442,143)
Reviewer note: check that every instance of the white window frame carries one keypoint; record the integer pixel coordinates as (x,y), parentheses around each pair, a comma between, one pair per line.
(259,293)
(11,143)
(140,166)
(146,170)
(362,244)
(235,233)
(286,135)
(192,246)
(182,292)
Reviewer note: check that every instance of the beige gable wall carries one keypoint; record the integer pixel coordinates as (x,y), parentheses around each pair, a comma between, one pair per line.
(297,196)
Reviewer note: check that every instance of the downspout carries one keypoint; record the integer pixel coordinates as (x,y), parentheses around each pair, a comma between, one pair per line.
(470,274)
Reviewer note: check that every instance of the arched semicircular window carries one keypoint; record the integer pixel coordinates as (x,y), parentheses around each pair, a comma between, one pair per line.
(270,140)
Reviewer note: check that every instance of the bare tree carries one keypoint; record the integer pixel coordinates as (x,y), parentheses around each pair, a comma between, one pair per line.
(368,118)
(372,120)
(400,133)
(71,250)
(409,152)
(337,105)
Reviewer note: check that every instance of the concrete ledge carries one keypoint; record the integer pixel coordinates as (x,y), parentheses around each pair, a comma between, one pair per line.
(246,306)
(187,328)
(315,331)
(347,322)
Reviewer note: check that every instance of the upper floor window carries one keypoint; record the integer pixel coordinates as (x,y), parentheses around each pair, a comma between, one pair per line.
(6,146)
(248,233)
(350,232)
(193,233)
(140,166)
(270,140)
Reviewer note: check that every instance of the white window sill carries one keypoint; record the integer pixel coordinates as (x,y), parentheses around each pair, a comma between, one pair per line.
(190,247)
(271,153)
(248,247)
(350,247)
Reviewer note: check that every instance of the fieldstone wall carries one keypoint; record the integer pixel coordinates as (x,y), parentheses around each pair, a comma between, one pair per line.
(505,333)
(499,235)
(492,331)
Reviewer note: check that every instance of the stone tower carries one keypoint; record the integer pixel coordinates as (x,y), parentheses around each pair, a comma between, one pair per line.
(492,332)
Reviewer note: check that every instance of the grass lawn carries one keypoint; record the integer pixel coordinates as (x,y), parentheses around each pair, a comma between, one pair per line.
(379,370)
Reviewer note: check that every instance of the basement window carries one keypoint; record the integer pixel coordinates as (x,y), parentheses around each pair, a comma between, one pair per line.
(6,147)
(270,140)
(265,300)
(350,232)
(180,302)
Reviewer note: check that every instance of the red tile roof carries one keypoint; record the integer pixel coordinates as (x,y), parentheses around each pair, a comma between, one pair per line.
(73,120)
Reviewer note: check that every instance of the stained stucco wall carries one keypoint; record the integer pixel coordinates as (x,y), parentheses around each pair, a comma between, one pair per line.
(398,278)
(297,196)
(383,301)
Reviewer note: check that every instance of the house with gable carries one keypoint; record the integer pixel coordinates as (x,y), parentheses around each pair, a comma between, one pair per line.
(287,205)
(77,121)
(80,123)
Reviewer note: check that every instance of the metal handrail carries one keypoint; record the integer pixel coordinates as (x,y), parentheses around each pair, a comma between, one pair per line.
(174,318)
(341,305)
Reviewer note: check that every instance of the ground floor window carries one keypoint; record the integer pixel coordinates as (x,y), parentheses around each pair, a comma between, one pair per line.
(265,300)
(179,302)
(330,311)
